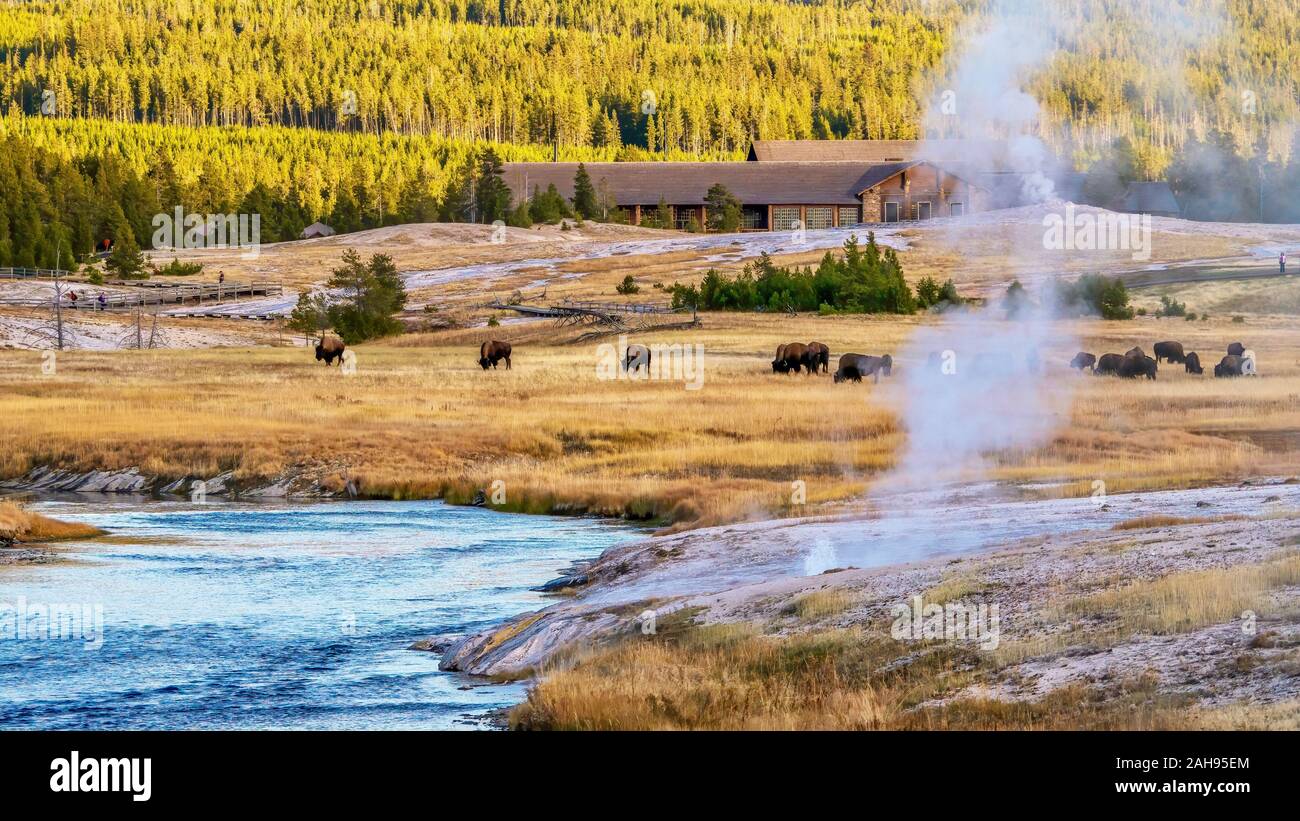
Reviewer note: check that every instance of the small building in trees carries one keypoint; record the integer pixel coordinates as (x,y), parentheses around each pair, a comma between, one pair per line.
(316,229)
(773,196)
(1154,198)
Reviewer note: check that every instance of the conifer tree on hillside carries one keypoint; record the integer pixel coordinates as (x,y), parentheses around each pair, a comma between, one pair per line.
(585,203)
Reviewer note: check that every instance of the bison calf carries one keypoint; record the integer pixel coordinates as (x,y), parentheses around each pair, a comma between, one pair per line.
(1192,363)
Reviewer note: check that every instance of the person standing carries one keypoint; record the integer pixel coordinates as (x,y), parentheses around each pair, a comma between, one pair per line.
(1281,263)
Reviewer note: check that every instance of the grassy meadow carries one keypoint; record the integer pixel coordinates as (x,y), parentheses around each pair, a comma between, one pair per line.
(420,419)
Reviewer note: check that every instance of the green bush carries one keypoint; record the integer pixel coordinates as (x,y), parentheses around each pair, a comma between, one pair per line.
(865,280)
(1171,307)
(1093,294)
(628,286)
(176,268)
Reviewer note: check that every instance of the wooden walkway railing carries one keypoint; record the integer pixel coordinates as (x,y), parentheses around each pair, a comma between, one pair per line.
(32,273)
(147,293)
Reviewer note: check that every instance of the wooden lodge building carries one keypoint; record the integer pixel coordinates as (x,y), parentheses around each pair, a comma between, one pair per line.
(776,194)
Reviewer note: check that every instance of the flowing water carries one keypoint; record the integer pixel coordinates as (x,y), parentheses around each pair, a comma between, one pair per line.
(229,615)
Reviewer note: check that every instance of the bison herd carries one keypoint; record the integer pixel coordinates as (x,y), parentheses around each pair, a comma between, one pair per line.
(1135,363)
(792,357)
(814,357)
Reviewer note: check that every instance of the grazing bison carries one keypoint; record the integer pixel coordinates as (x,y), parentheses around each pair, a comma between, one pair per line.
(330,348)
(490,353)
(636,357)
(819,354)
(1134,366)
(778,361)
(1135,352)
(1083,360)
(1236,349)
(1109,363)
(1230,365)
(1192,363)
(854,366)
(1169,351)
(791,357)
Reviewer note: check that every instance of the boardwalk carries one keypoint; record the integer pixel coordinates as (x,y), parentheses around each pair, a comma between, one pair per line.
(146,293)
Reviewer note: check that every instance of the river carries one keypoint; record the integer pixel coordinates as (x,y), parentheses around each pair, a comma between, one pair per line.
(271,615)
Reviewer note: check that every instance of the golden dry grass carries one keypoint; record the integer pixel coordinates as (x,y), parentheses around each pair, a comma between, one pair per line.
(18,524)
(732,676)
(1185,601)
(420,419)
(725,678)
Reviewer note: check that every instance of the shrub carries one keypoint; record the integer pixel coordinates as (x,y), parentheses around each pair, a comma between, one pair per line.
(628,286)
(865,280)
(176,268)
(1171,307)
(1093,294)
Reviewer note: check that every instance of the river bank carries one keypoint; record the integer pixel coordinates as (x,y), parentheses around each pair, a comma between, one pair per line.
(1150,589)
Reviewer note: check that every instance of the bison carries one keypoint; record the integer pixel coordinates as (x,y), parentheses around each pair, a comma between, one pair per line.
(1109,363)
(1236,349)
(854,366)
(1192,363)
(330,348)
(791,357)
(490,353)
(1134,366)
(1170,352)
(636,357)
(819,354)
(1083,360)
(1135,352)
(1230,365)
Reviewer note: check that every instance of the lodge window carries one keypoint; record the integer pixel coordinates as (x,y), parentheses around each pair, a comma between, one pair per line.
(785,218)
(922,210)
(891,212)
(956,209)
(819,216)
(848,215)
(682,218)
(752,219)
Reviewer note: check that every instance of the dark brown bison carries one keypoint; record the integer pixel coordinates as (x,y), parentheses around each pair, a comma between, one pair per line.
(1169,351)
(819,354)
(637,356)
(1083,360)
(1230,365)
(1135,352)
(778,361)
(1108,364)
(1192,363)
(1134,366)
(854,366)
(791,357)
(329,348)
(1236,349)
(490,353)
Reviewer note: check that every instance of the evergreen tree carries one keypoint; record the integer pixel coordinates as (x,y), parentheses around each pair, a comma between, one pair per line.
(585,203)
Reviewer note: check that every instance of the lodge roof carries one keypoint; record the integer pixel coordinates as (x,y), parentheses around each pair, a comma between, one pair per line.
(687,183)
(877,151)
